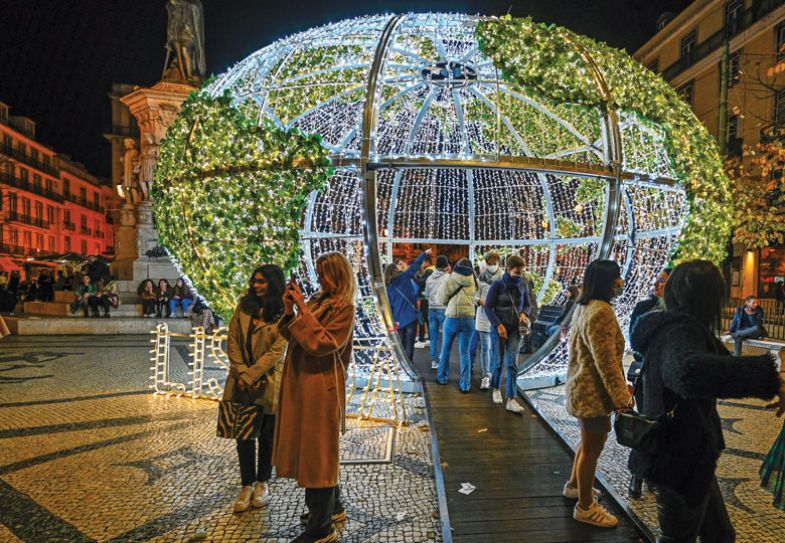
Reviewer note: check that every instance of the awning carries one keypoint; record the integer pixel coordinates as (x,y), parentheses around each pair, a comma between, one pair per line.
(7,264)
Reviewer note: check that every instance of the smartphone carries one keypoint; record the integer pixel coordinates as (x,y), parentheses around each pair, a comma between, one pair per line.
(293,278)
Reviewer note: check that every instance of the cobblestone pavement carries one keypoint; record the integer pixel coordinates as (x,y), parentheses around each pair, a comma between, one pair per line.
(749,430)
(87,453)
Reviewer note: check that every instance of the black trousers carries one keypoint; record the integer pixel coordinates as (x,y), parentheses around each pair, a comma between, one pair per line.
(253,466)
(682,524)
(162,306)
(99,301)
(322,503)
(148,307)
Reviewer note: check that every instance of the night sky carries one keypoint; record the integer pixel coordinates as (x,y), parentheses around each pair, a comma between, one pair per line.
(58,58)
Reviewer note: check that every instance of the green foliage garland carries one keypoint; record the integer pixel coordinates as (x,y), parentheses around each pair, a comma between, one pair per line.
(229,195)
(545,60)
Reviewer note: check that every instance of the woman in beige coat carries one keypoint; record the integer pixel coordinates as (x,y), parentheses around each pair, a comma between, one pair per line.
(595,383)
(256,353)
(312,404)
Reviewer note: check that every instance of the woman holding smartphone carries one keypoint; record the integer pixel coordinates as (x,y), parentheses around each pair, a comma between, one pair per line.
(311,407)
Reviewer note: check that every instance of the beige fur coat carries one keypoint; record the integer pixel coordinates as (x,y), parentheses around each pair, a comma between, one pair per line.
(595,377)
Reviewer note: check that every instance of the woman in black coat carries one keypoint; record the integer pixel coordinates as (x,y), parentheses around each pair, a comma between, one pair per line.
(686,369)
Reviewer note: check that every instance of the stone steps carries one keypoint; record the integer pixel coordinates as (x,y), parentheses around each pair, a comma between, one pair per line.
(63,309)
(34,326)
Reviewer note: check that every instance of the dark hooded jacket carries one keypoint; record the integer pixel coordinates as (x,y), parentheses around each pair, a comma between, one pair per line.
(686,369)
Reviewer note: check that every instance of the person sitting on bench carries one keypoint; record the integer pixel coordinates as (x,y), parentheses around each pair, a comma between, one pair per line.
(747,323)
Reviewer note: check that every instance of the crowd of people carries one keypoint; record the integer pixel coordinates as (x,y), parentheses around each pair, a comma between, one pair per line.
(674,335)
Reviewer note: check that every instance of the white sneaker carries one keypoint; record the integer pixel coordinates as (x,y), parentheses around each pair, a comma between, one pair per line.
(434,364)
(514,407)
(485,384)
(243,501)
(596,515)
(571,492)
(497,396)
(727,338)
(261,495)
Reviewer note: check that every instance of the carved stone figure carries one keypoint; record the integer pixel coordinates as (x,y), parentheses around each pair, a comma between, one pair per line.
(185,40)
(147,166)
(129,187)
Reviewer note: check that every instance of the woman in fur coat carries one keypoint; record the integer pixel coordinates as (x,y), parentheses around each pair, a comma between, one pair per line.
(686,369)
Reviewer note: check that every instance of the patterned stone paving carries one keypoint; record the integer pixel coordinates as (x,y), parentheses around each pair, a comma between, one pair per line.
(749,432)
(88,454)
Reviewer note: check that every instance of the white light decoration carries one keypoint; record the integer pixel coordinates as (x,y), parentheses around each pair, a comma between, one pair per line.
(432,145)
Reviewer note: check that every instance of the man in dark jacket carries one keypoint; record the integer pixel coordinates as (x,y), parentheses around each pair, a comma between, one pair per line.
(779,294)
(653,303)
(747,323)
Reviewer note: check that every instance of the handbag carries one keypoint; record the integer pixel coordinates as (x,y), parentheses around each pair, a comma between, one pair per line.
(523,326)
(238,420)
(639,432)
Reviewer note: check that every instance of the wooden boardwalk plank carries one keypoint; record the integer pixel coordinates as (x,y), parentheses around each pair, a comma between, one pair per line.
(517,464)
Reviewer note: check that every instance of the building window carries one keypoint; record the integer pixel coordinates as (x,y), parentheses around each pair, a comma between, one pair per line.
(8,141)
(733,135)
(779,107)
(37,181)
(39,210)
(654,66)
(779,35)
(96,200)
(84,247)
(23,149)
(67,188)
(52,248)
(83,221)
(50,215)
(28,240)
(25,207)
(12,202)
(66,216)
(734,68)
(39,241)
(34,153)
(15,237)
(24,175)
(688,46)
(50,186)
(733,10)
(686,92)
(46,161)
(82,194)
(67,244)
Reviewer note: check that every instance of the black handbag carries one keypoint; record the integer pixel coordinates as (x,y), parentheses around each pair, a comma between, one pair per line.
(639,432)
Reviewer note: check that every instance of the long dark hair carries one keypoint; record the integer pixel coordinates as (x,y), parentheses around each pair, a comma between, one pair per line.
(598,281)
(696,287)
(271,306)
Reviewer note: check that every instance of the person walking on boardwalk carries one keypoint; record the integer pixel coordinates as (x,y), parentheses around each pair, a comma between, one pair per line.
(256,353)
(595,384)
(456,294)
(488,353)
(435,310)
(686,369)
(402,294)
(507,306)
(312,404)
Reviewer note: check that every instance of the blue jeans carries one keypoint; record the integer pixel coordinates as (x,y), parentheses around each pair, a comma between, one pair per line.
(507,354)
(463,327)
(407,335)
(435,324)
(185,303)
(488,356)
(753,332)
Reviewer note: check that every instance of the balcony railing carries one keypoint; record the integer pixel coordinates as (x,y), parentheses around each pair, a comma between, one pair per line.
(18,250)
(69,226)
(27,159)
(85,230)
(746,19)
(99,234)
(17,182)
(83,202)
(27,219)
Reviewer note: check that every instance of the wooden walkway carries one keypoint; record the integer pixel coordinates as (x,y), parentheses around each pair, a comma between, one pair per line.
(517,464)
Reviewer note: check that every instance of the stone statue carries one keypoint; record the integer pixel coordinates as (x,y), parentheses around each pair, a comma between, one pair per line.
(128,189)
(185,38)
(147,167)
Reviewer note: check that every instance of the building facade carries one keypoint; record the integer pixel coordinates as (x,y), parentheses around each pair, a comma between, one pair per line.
(688,52)
(49,205)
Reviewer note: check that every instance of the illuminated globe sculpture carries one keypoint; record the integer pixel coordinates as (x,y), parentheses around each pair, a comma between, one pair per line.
(489,134)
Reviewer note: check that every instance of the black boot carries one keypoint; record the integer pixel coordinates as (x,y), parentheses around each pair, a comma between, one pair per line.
(635,487)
